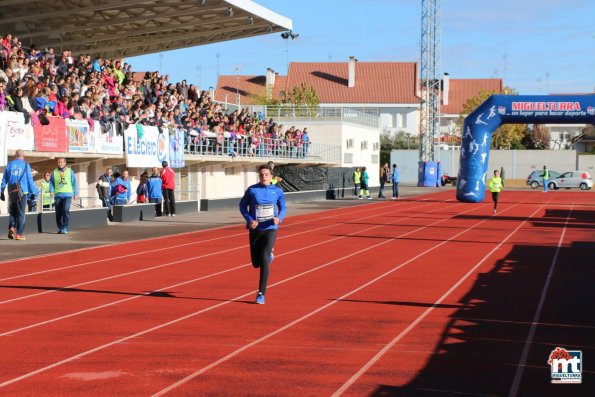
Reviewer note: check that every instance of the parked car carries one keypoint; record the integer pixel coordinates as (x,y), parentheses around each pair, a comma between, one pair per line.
(535,180)
(580,179)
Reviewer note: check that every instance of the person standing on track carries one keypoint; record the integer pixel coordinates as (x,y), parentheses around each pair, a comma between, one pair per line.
(263,208)
(364,185)
(395,178)
(495,187)
(17,177)
(357,180)
(546,177)
(63,189)
(275,179)
(168,185)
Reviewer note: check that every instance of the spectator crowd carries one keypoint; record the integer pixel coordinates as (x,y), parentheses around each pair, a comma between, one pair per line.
(41,83)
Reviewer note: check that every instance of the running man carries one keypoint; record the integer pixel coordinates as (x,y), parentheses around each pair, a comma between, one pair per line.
(263,207)
(495,187)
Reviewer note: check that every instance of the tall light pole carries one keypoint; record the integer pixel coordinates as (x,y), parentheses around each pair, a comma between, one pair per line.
(288,36)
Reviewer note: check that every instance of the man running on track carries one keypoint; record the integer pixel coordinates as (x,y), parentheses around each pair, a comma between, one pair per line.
(263,207)
(495,187)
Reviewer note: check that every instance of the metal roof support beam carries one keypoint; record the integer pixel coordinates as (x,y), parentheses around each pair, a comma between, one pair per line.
(115,5)
(159,29)
(165,39)
(122,21)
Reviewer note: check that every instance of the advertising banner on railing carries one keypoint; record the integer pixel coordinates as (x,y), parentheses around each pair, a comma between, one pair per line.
(107,141)
(145,147)
(18,134)
(81,138)
(176,149)
(51,137)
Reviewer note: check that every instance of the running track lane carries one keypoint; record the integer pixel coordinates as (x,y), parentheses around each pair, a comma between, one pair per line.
(107,289)
(79,362)
(250,294)
(363,263)
(114,324)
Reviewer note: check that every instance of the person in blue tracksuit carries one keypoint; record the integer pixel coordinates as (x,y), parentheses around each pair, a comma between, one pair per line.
(17,172)
(395,179)
(263,208)
(155,191)
(121,189)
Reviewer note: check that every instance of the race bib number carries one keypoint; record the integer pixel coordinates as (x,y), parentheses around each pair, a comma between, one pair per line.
(265,212)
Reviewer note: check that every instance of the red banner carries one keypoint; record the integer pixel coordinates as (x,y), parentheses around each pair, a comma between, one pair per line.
(51,137)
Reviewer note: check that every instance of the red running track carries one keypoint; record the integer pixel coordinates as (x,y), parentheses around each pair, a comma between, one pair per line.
(416,297)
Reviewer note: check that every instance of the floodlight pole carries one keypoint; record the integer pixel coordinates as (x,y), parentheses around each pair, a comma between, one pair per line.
(429,80)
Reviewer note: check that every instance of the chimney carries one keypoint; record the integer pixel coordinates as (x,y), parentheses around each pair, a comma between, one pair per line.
(269,83)
(445,89)
(275,74)
(351,79)
(269,77)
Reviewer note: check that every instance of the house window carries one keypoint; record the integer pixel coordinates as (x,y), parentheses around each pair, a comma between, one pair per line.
(364,145)
(348,158)
(349,143)
(375,159)
(376,146)
(401,120)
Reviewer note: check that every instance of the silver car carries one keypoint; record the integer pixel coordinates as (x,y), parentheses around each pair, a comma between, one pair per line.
(535,180)
(580,179)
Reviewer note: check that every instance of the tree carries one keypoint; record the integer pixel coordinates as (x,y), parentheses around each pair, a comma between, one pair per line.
(399,141)
(507,136)
(302,96)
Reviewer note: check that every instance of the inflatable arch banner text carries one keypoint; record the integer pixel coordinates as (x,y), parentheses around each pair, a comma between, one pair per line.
(517,109)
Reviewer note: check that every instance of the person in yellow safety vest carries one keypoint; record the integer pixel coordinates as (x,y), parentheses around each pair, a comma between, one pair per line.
(63,189)
(275,179)
(495,186)
(44,187)
(357,180)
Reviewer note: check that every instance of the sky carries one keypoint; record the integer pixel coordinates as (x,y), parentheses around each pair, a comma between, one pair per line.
(535,46)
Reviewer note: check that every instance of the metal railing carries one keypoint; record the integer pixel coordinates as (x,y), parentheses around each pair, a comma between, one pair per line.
(316,114)
(267,148)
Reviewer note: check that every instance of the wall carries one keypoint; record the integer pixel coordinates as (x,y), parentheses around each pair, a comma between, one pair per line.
(334,133)
(517,163)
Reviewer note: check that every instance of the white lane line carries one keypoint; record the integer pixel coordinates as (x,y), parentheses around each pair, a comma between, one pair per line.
(525,354)
(191,315)
(171,263)
(322,308)
(389,346)
(106,259)
(92,309)
(12,261)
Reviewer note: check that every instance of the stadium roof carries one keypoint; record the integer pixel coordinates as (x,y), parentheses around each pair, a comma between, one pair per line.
(125,28)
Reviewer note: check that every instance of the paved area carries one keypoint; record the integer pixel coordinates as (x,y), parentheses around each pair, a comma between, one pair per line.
(44,243)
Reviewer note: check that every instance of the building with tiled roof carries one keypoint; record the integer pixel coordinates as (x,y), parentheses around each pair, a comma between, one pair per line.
(387,89)
(455,93)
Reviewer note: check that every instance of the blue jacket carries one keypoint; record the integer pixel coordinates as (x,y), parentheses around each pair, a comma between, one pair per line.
(18,170)
(154,190)
(123,195)
(395,175)
(264,199)
(75,188)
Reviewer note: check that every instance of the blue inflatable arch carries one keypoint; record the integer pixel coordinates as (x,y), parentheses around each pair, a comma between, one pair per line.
(518,109)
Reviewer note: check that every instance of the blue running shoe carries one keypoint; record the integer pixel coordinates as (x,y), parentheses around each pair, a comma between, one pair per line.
(259,299)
